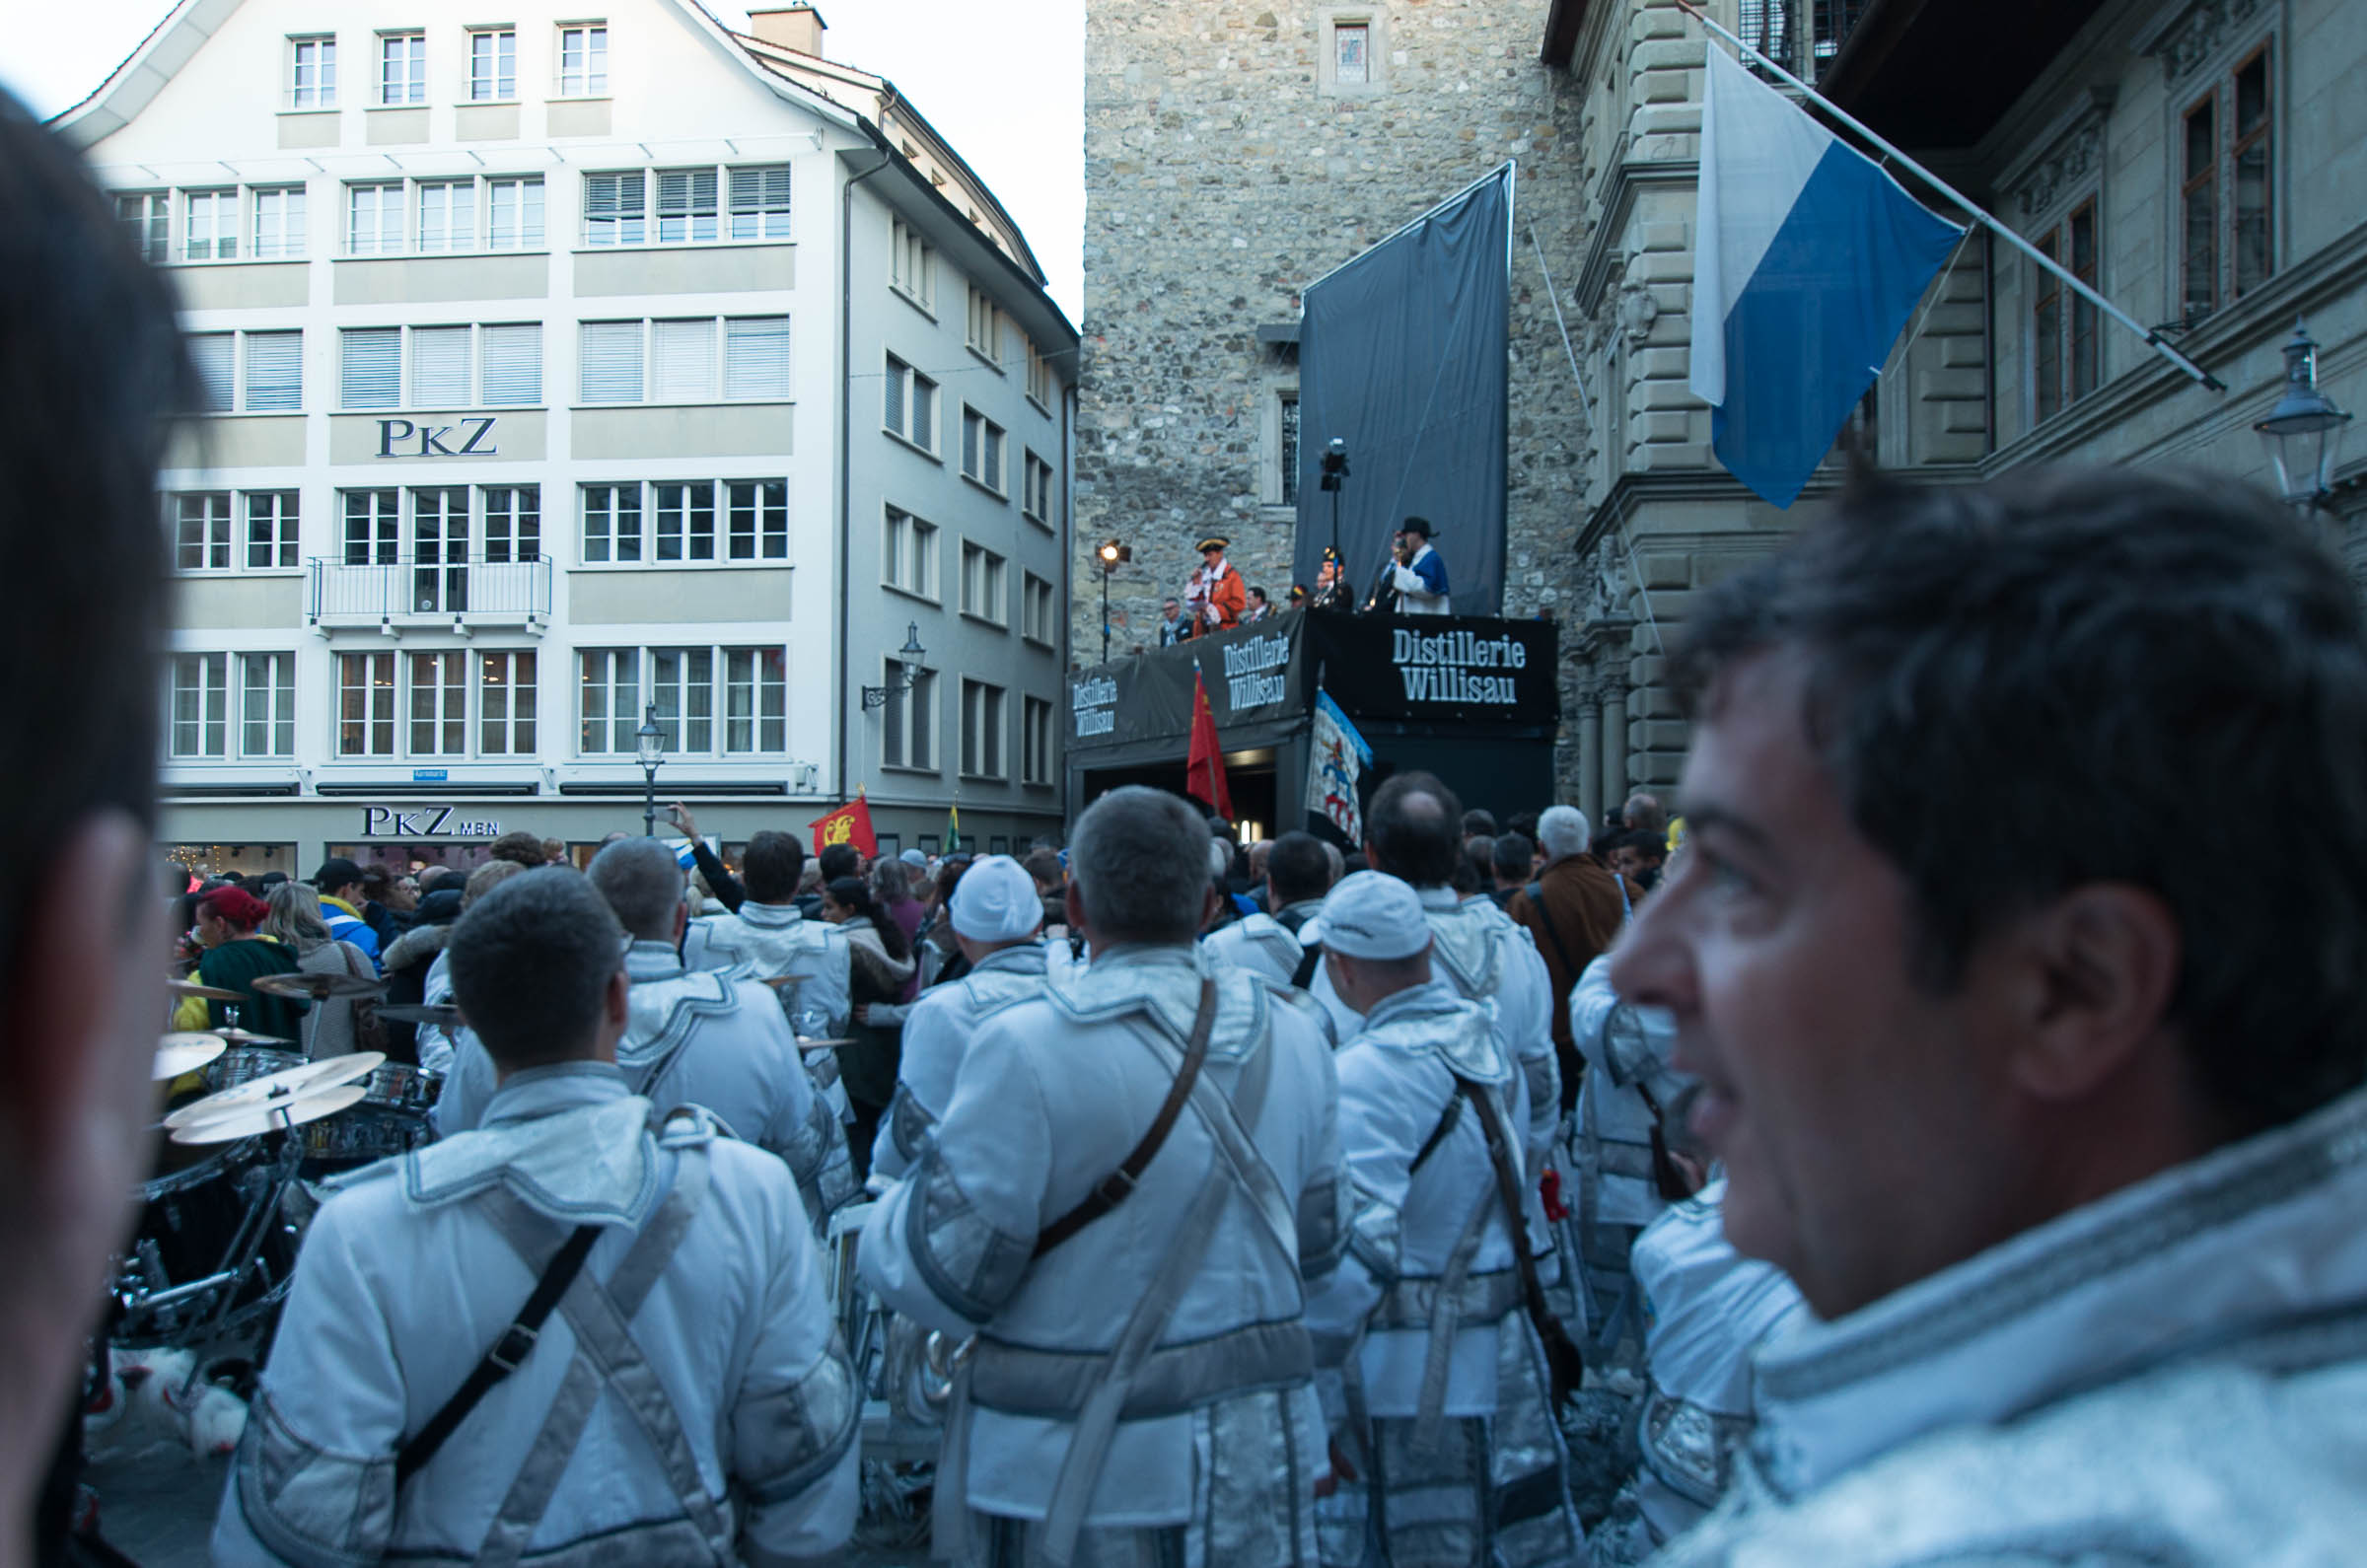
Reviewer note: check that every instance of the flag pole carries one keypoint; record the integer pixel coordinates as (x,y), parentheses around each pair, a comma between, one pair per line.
(1979,215)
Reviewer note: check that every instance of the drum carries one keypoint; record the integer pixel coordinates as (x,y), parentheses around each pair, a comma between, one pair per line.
(243,1064)
(189,1228)
(392,1119)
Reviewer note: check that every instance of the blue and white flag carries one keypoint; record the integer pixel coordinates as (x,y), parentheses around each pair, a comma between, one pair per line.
(1335,763)
(1808,259)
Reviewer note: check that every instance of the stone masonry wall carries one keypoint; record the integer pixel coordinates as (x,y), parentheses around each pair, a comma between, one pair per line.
(1224,171)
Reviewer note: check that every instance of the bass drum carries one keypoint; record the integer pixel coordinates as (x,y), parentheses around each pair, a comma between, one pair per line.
(189,1224)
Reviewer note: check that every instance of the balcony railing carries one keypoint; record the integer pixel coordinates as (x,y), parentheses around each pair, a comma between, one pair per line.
(1801,36)
(421,590)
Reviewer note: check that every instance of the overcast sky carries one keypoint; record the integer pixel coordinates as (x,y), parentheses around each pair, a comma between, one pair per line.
(1003,83)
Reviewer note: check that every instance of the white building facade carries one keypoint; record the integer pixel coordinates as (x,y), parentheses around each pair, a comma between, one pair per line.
(565,368)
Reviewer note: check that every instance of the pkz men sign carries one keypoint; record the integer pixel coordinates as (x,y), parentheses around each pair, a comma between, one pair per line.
(474,435)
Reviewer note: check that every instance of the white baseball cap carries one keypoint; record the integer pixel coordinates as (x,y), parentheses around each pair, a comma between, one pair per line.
(1371,915)
(996,902)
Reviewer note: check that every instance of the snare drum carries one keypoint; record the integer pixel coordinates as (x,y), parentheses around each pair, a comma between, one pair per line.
(244,1064)
(390,1120)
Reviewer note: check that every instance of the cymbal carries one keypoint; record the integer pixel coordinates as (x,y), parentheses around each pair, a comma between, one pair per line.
(248,1036)
(184,1053)
(212,993)
(278,1087)
(318,987)
(440,1014)
(288,1111)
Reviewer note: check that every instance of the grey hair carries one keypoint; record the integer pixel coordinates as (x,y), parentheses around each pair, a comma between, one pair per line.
(531,964)
(295,917)
(643,883)
(1220,860)
(1564,830)
(1139,867)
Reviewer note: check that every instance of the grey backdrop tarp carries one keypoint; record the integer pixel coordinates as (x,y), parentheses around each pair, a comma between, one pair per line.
(1403,354)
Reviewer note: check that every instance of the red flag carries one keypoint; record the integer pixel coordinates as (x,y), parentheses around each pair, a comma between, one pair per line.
(1205,768)
(849,825)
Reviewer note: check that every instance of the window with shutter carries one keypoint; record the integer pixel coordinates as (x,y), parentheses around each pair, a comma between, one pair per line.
(616,208)
(755,356)
(682,360)
(513,356)
(611,362)
(760,202)
(686,205)
(440,368)
(214,353)
(274,371)
(369,367)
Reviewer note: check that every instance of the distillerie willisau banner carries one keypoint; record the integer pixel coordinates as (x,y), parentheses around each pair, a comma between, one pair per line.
(1454,669)
(1402,355)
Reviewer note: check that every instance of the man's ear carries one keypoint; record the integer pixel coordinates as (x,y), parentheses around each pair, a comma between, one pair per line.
(617,1002)
(1073,905)
(2098,969)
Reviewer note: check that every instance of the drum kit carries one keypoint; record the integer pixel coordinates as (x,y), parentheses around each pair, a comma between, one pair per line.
(222,1216)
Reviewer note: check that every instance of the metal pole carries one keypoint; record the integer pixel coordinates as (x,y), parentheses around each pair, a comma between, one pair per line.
(1978,214)
(649,800)
(1104,611)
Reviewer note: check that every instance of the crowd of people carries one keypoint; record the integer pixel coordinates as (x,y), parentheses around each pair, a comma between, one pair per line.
(1967,1163)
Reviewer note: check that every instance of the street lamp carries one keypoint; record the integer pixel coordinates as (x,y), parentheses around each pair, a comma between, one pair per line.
(909,657)
(2304,429)
(649,745)
(1110,553)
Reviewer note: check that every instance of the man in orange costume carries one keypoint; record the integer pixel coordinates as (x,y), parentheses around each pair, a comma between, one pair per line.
(1216,596)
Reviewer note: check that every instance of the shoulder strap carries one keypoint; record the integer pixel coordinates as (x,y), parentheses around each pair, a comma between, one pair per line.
(1118,1186)
(508,1353)
(1562,1361)
(1437,1134)
(1310,957)
(1536,901)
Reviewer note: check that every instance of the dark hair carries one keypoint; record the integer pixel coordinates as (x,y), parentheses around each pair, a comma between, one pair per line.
(1466,878)
(1044,867)
(770,866)
(2068,677)
(91,367)
(1522,823)
(1479,852)
(840,860)
(1298,868)
(335,872)
(854,892)
(1478,823)
(271,878)
(1512,855)
(1643,838)
(1261,599)
(948,876)
(376,879)
(1412,825)
(521,846)
(530,962)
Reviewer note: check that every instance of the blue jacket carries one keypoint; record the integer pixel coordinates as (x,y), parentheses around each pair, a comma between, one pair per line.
(346,926)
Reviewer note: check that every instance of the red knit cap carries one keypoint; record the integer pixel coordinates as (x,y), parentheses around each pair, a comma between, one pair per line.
(236,906)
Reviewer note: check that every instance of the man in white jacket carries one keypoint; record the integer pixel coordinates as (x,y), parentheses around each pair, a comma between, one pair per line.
(2058,1127)
(687,1398)
(1136,1172)
(1441,1398)
(997,915)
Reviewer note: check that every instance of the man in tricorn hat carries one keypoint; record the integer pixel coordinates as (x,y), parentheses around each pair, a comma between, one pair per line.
(1419,574)
(1216,596)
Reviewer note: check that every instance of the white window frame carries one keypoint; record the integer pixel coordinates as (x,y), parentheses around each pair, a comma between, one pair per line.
(590,77)
(615,505)
(984,573)
(456,232)
(511,532)
(983,743)
(618,673)
(381,244)
(912,266)
(1037,612)
(520,234)
(379,708)
(275,230)
(204,532)
(905,385)
(321,92)
(407,392)
(908,721)
(909,554)
(748,199)
(481,77)
(273,519)
(986,459)
(208,727)
(984,331)
(152,226)
(369,526)
(1035,489)
(219,224)
(514,718)
(694,710)
(765,504)
(269,702)
(726,336)
(1039,376)
(412,80)
(440,708)
(765,691)
(1035,741)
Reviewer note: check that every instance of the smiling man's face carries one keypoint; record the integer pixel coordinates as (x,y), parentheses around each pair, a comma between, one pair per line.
(1865,1123)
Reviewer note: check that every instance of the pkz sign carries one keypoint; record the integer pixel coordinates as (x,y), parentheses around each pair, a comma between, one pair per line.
(422,821)
(395,436)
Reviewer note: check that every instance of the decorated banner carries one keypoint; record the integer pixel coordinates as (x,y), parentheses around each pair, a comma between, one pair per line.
(1338,760)
(849,825)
